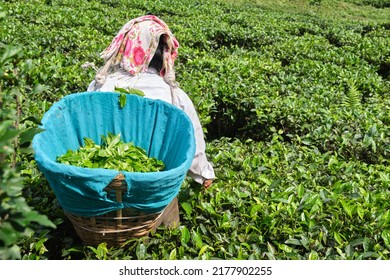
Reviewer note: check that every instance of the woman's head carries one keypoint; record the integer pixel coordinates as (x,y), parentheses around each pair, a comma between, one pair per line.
(142,41)
(157,59)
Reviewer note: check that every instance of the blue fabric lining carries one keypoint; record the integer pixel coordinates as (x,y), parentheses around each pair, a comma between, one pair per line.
(163,130)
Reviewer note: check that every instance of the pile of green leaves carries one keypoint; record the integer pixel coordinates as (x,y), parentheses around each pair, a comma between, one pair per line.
(113,153)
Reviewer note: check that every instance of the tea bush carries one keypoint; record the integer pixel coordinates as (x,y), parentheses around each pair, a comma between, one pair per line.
(295,111)
(18,220)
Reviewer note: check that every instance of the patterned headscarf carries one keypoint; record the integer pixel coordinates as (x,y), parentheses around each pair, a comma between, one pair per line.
(134,46)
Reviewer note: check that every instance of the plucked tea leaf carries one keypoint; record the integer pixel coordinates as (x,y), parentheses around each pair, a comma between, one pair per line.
(136,92)
(123,92)
(88,142)
(122,100)
(112,154)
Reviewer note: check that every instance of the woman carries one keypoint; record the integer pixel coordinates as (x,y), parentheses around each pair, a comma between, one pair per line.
(141,56)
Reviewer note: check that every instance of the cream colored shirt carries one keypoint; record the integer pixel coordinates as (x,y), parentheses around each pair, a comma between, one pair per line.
(154,87)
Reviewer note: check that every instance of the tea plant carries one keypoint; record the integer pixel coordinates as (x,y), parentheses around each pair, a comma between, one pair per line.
(295,112)
(18,221)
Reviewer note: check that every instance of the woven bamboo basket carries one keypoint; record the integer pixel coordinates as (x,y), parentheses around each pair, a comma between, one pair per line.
(116,227)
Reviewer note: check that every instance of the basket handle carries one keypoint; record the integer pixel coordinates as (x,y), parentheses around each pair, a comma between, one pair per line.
(117,185)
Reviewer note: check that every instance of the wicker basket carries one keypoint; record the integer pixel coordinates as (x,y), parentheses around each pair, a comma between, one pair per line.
(116,227)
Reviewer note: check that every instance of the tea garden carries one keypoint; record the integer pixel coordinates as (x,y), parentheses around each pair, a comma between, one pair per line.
(295,107)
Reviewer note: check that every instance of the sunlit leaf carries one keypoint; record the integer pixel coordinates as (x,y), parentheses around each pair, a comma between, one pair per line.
(172,254)
(197,239)
(187,208)
(337,237)
(122,100)
(185,235)
(141,251)
(386,237)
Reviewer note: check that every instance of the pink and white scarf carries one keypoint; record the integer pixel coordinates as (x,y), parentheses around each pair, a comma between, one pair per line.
(134,46)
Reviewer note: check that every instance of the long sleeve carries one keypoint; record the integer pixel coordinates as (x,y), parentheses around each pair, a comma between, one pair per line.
(201,169)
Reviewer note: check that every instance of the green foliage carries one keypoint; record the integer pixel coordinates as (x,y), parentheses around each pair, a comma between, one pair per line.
(295,110)
(18,220)
(113,153)
(374,3)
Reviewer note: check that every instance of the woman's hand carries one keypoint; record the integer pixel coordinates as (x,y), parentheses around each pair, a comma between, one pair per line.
(207,183)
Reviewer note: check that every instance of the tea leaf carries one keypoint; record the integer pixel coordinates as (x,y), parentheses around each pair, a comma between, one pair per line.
(112,154)
(187,208)
(386,237)
(337,237)
(172,255)
(122,100)
(130,91)
(203,250)
(185,235)
(197,239)
(313,255)
(136,92)
(141,251)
